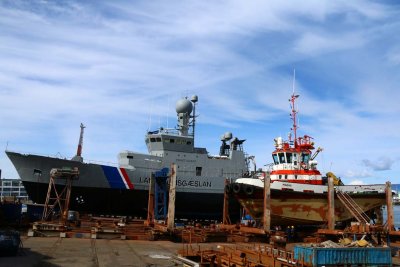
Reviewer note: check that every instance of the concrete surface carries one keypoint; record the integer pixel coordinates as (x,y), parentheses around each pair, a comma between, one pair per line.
(54,251)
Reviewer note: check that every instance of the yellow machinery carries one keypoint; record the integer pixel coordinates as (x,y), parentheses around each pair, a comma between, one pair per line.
(336,181)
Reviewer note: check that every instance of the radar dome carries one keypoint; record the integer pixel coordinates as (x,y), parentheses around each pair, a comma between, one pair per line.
(184,106)
(228,135)
(194,99)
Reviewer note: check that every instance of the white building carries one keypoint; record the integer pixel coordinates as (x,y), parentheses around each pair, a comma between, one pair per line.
(12,188)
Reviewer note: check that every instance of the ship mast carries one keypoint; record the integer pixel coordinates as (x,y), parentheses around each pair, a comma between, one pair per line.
(294,111)
(79,150)
(78,156)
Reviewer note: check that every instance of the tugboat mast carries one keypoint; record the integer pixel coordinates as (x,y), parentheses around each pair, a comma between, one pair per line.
(294,111)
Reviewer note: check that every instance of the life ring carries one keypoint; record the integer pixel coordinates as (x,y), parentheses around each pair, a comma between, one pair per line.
(236,188)
(249,190)
(303,165)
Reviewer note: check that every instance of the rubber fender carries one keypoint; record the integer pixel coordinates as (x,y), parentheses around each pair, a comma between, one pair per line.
(236,188)
(249,190)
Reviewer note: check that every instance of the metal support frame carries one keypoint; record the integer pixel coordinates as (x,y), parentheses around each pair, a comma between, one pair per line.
(160,194)
(59,198)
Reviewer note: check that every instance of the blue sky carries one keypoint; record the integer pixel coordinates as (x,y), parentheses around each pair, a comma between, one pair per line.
(119,67)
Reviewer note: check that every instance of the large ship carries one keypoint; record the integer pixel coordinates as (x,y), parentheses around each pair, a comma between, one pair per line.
(299,192)
(123,189)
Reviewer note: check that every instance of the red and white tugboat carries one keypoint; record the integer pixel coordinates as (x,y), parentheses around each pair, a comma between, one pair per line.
(298,190)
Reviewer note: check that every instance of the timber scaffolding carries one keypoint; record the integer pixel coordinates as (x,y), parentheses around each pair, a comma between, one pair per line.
(249,255)
(163,227)
(275,250)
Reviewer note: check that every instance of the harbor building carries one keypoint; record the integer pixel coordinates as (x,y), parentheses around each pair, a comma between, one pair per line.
(12,188)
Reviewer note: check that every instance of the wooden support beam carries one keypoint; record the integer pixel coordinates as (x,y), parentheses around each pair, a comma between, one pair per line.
(331,204)
(171,202)
(389,205)
(267,203)
(150,204)
(225,218)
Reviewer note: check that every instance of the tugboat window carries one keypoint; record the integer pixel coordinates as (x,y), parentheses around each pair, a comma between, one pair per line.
(172,140)
(158,139)
(129,157)
(282,157)
(305,157)
(275,157)
(289,157)
(152,140)
(198,171)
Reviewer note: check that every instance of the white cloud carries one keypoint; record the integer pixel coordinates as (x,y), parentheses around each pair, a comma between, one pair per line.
(356,182)
(380,164)
(357,174)
(315,44)
(111,64)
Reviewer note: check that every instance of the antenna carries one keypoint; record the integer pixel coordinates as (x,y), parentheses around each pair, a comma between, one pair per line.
(294,79)
(150,114)
(294,112)
(194,101)
(168,110)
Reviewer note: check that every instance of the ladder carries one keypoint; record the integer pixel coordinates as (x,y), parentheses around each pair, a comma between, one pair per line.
(353,207)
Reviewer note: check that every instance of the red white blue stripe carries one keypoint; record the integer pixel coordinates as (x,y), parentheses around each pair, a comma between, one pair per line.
(117,177)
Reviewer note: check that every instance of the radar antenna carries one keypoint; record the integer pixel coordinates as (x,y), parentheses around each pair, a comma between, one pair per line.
(194,101)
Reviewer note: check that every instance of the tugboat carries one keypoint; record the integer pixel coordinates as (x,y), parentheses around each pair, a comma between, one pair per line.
(298,190)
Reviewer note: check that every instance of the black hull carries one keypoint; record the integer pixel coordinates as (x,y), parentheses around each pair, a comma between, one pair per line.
(107,201)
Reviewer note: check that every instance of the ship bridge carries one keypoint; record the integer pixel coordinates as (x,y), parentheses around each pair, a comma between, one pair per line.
(160,142)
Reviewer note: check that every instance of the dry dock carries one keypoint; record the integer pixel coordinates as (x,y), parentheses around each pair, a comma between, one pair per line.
(53,251)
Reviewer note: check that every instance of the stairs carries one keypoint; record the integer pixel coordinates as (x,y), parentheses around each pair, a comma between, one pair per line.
(353,207)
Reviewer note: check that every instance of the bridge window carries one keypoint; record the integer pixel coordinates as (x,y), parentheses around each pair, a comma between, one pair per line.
(275,157)
(289,157)
(172,140)
(129,157)
(282,157)
(198,171)
(305,157)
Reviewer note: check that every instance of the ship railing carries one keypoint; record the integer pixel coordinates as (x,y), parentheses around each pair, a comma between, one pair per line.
(99,162)
(58,155)
(373,188)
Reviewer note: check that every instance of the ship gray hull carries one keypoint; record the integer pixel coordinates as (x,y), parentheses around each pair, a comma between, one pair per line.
(108,190)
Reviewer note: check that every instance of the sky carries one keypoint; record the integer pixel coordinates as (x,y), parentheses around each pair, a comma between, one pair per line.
(119,67)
